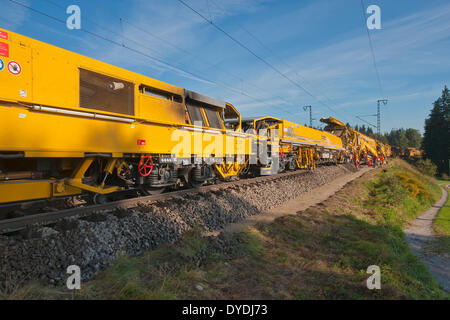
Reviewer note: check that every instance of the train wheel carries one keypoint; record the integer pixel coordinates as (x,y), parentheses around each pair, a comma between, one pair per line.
(149,191)
(100,198)
(198,176)
(292,165)
(195,184)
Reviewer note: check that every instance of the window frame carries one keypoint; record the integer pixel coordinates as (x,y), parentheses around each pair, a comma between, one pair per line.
(159,94)
(216,112)
(129,85)
(194,104)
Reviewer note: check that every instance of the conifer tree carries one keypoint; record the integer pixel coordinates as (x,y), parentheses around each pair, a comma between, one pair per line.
(436,141)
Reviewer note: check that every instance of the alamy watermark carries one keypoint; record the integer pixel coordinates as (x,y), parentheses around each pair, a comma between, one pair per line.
(374,20)
(374,281)
(74,20)
(74,280)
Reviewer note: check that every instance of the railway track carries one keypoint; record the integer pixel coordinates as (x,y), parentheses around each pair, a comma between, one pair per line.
(42,219)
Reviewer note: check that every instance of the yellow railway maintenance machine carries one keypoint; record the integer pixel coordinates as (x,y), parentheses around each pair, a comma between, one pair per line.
(73,125)
(354,141)
(296,146)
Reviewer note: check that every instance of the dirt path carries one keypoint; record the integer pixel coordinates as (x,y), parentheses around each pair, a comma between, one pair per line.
(419,233)
(300,203)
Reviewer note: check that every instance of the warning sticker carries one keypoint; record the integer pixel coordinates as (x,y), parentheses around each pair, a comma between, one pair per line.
(4,50)
(3,35)
(2,65)
(14,68)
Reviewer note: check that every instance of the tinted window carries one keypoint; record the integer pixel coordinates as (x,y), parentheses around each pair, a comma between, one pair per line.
(213,118)
(160,94)
(195,113)
(105,93)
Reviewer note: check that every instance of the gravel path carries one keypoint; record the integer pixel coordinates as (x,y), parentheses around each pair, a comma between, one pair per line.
(93,243)
(419,233)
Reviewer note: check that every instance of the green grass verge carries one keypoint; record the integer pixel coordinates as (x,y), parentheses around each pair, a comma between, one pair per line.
(443,180)
(441,226)
(320,253)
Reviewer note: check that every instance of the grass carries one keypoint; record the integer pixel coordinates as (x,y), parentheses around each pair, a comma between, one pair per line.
(441,226)
(443,179)
(320,253)
(442,221)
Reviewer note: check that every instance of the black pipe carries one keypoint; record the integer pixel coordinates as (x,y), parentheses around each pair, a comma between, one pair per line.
(104,155)
(11,156)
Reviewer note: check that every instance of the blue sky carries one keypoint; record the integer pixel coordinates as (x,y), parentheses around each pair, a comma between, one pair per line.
(321,45)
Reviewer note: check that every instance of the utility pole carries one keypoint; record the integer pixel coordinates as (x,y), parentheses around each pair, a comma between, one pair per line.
(384,101)
(310,114)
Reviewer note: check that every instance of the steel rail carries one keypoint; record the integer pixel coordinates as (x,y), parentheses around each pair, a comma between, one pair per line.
(16,224)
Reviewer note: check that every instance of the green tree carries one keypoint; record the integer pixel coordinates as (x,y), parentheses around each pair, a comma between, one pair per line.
(383,138)
(398,138)
(436,141)
(414,138)
(369,132)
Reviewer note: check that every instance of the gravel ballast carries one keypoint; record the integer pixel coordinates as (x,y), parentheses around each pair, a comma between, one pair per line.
(94,242)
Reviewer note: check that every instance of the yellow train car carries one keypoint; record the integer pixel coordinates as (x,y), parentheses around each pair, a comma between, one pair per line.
(383,149)
(70,124)
(354,141)
(388,149)
(367,145)
(298,146)
(413,153)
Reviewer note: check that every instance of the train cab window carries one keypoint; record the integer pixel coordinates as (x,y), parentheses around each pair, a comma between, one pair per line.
(104,93)
(231,118)
(213,118)
(195,113)
(160,94)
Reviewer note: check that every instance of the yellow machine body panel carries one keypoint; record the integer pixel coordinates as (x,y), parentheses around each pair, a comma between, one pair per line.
(291,132)
(367,144)
(68,136)
(48,108)
(412,152)
(355,141)
(50,76)
(306,135)
(21,190)
(60,105)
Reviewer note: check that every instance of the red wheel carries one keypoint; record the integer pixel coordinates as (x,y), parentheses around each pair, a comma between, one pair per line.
(144,167)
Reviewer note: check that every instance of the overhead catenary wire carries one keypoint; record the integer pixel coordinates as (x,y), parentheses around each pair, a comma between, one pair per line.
(262,44)
(256,55)
(377,72)
(371,49)
(155,59)
(173,45)
(195,56)
(266,47)
(370,124)
(159,61)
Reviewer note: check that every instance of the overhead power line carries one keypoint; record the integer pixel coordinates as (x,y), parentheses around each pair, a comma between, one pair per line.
(269,49)
(370,124)
(155,59)
(256,55)
(371,48)
(173,45)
